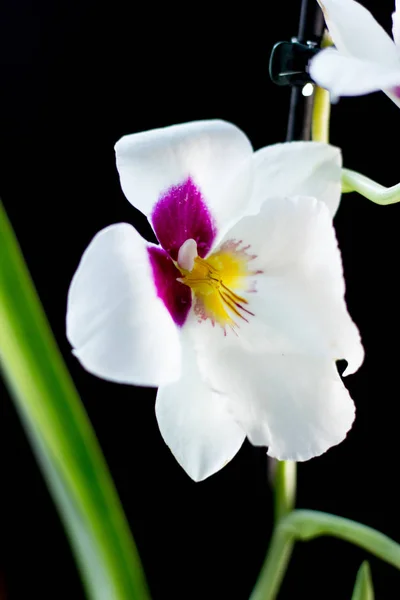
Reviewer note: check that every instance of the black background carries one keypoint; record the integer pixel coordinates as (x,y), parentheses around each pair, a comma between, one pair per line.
(75,77)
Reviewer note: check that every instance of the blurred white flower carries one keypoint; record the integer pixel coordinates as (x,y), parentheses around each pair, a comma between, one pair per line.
(365,59)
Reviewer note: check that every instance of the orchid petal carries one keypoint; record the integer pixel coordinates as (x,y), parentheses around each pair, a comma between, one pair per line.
(295,405)
(297,168)
(298,301)
(277,370)
(349,76)
(196,161)
(176,296)
(195,423)
(356,33)
(296,297)
(181,214)
(118,326)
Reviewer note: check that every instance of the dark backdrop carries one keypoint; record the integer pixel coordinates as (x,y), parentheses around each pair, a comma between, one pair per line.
(75,77)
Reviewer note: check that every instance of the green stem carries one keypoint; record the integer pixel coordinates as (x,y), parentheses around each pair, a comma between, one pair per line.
(321,116)
(305,525)
(275,565)
(322,106)
(281,546)
(284,487)
(355,182)
(62,435)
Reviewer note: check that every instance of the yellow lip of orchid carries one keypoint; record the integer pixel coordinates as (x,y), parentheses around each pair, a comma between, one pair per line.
(215,281)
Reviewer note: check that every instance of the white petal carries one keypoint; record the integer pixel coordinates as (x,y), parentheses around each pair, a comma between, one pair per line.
(210,152)
(356,33)
(302,281)
(298,304)
(295,405)
(347,76)
(278,370)
(119,329)
(396,24)
(195,424)
(298,168)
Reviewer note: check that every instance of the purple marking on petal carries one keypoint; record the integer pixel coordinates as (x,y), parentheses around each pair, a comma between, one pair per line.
(396,91)
(176,296)
(181,214)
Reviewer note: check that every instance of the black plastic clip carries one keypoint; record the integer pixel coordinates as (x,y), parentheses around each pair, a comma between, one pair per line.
(289,60)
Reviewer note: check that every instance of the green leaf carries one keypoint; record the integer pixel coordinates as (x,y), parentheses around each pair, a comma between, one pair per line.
(363,589)
(62,436)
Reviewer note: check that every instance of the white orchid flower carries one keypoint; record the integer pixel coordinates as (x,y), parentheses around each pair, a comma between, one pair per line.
(365,60)
(238,315)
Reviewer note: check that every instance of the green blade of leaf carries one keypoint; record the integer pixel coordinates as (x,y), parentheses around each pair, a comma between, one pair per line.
(62,436)
(363,589)
(96,579)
